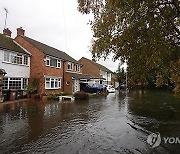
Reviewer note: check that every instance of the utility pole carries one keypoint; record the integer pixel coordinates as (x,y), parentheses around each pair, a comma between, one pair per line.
(6,10)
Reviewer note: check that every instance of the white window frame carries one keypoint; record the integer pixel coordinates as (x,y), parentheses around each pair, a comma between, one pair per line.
(15,79)
(71,66)
(54,80)
(13,58)
(77,68)
(58,63)
(48,62)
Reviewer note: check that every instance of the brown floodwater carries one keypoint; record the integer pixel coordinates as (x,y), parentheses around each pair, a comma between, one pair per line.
(112,124)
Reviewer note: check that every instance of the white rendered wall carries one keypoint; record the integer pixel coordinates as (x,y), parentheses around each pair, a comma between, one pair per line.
(14,70)
(104,74)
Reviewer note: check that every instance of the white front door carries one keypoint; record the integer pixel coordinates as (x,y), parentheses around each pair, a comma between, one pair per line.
(76,86)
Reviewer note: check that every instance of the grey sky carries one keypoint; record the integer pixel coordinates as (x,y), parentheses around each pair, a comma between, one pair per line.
(53,22)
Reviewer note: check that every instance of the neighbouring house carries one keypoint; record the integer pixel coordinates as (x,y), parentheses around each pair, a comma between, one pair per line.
(15,60)
(115,81)
(54,70)
(103,75)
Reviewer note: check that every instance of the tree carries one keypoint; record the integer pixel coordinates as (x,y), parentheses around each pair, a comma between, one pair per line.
(145,32)
(120,73)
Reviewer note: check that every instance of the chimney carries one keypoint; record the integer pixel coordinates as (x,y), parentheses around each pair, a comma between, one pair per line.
(7,32)
(20,31)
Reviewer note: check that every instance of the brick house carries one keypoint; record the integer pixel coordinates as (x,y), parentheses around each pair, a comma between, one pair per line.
(15,60)
(103,75)
(52,68)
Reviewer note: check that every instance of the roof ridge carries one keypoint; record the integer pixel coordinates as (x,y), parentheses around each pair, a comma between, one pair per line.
(97,64)
(43,43)
(49,50)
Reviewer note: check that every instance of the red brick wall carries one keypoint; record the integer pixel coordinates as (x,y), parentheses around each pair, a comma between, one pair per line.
(38,68)
(68,88)
(67,77)
(89,68)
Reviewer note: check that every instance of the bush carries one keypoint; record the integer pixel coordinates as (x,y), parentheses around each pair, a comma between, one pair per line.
(81,95)
(30,89)
(52,96)
(61,94)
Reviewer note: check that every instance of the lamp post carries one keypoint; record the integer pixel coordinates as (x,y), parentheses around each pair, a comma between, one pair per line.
(2,74)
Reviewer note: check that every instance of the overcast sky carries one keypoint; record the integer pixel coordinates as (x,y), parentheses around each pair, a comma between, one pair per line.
(54,22)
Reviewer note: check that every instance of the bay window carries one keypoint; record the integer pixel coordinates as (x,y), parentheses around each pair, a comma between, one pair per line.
(15,83)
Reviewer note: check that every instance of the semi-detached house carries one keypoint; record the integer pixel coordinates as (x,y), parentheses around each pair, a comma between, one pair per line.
(16,62)
(103,74)
(54,70)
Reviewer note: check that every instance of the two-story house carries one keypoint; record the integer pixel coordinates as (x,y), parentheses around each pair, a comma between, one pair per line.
(54,69)
(15,60)
(103,75)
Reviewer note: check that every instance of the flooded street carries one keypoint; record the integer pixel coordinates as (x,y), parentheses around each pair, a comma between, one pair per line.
(108,125)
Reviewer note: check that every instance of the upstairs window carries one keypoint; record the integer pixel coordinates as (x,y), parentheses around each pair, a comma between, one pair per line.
(70,66)
(15,58)
(77,68)
(53,62)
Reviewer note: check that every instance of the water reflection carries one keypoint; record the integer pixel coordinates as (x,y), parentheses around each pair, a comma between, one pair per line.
(117,123)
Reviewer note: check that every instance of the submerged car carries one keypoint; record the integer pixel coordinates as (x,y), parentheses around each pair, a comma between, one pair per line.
(93,89)
(110,89)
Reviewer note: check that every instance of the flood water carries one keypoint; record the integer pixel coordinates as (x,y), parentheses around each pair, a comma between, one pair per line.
(102,125)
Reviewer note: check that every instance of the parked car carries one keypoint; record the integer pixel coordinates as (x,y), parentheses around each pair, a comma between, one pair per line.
(92,89)
(101,87)
(110,89)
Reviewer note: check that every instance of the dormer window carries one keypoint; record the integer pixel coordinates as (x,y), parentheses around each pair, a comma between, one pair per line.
(70,66)
(77,68)
(53,62)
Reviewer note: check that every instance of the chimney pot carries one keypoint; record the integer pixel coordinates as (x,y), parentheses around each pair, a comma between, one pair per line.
(7,32)
(20,31)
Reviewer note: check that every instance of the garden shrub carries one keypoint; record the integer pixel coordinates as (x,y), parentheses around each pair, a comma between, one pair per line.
(80,95)
(52,96)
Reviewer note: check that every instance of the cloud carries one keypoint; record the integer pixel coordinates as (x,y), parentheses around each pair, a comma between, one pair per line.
(56,23)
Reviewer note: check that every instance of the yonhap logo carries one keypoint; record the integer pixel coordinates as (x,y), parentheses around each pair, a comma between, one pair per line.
(154,140)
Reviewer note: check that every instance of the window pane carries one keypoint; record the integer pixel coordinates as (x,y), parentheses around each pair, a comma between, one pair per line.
(24,83)
(56,83)
(58,63)
(47,61)
(52,83)
(6,56)
(15,83)
(13,58)
(5,81)
(59,83)
(25,60)
(70,66)
(53,62)
(19,59)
